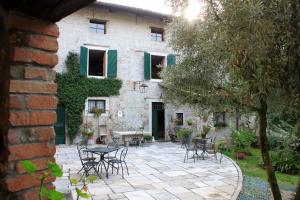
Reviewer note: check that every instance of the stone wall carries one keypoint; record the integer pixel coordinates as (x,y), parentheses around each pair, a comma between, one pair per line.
(130,35)
(28,102)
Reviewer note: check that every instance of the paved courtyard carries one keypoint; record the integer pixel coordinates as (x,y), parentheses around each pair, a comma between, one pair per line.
(157,172)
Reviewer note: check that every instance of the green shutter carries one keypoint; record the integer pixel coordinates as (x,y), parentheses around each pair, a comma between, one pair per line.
(147,66)
(112,63)
(83,60)
(171,60)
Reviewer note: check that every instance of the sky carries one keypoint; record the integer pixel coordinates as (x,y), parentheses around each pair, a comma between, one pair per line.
(160,6)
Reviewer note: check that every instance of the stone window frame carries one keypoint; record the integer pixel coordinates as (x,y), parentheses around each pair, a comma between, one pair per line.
(165,64)
(155,32)
(90,47)
(98,22)
(107,105)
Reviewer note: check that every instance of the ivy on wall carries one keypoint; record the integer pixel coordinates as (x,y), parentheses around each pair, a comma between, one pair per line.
(73,89)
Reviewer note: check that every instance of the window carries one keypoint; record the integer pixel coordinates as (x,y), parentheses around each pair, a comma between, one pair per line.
(100,104)
(157,63)
(179,119)
(157,34)
(96,63)
(97,26)
(220,119)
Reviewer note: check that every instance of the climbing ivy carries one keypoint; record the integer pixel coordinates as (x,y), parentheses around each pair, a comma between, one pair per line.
(73,89)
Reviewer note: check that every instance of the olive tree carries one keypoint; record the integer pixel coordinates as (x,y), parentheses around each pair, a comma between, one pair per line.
(239,54)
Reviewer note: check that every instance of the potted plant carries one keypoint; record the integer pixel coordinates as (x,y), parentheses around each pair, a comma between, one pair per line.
(205,131)
(147,138)
(242,140)
(189,122)
(87,132)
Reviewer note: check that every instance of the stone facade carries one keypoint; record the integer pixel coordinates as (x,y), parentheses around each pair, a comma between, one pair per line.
(129,34)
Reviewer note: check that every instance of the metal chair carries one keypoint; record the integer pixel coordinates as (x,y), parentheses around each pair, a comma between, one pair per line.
(85,156)
(189,148)
(119,161)
(87,164)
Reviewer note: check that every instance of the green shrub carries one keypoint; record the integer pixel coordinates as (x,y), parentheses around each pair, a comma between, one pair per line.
(243,139)
(147,137)
(285,156)
(184,133)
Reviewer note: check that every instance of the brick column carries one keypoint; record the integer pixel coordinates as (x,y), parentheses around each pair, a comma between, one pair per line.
(28,112)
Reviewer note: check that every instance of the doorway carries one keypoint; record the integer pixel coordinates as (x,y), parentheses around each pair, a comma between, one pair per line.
(158,120)
(59,127)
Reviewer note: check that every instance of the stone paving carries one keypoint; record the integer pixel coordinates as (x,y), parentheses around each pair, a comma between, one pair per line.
(157,172)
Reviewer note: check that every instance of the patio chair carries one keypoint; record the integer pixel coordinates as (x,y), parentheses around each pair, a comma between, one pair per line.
(119,162)
(87,164)
(209,147)
(189,148)
(185,140)
(86,156)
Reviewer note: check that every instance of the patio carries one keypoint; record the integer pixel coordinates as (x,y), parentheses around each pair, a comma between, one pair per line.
(158,172)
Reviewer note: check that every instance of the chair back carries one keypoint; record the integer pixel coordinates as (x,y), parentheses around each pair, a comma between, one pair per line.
(123,153)
(81,153)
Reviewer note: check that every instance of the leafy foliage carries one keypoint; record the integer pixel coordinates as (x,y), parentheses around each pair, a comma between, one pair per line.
(55,170)
(28,166)
(73,89)
(242,140)
(184,133)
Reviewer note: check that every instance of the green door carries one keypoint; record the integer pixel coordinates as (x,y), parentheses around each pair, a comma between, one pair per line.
(60,125)
(158,120)
(154,124)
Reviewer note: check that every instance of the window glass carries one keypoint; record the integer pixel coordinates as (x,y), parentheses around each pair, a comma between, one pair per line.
(179,119)
(100,104)
(97,26)
(157,63)
(157,34)
(96,63)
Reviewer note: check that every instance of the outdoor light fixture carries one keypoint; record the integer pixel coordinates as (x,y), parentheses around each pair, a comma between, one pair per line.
(141,86)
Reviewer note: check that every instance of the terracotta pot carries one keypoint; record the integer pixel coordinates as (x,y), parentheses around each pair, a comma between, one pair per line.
(240,155)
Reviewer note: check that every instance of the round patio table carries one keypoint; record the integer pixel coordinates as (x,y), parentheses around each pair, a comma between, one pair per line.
(200,143)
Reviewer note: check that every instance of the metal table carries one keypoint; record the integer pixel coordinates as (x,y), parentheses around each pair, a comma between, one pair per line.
(102,151)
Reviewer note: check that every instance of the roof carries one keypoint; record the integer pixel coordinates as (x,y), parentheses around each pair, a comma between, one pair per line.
(135,10)
(49,10)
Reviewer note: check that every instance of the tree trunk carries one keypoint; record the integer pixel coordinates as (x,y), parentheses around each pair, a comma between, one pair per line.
(297,196)
(264,150)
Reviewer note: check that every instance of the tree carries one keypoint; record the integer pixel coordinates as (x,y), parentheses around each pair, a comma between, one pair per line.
(238,54)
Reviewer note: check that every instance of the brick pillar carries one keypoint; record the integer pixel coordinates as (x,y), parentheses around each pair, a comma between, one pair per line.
(28,102)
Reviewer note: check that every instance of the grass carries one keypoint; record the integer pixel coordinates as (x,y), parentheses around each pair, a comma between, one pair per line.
(250,166)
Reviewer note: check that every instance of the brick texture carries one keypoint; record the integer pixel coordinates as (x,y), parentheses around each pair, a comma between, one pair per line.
(34,56)
(22,86)
(32,118)
(41,102)
(28,151)
(30,105)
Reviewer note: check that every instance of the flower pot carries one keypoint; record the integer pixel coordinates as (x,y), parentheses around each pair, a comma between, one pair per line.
(91,140)
(240,155)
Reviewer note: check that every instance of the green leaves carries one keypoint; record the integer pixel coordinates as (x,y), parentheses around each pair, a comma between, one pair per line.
(73,89)
(51,194)
(28,166)
(73,181)
(82,194)
(91,178)
(55,169)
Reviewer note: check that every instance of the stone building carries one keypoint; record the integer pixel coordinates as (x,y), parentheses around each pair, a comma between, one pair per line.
(130,44)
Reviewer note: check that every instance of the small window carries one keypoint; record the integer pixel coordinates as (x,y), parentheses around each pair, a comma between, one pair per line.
(220,119)
(157,34)
(96,62)
(179,119)
(99,104)
(157,63)
(97,26)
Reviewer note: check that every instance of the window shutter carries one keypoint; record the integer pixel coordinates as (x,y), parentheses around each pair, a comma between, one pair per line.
(171,60)
(112,63)
(83,60)
(147,67)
